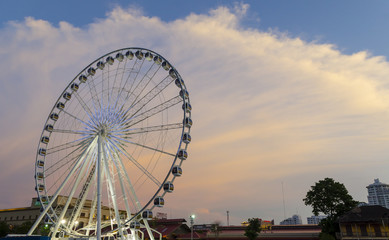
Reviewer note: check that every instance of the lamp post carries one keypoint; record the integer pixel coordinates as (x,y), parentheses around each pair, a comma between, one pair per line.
(192,217)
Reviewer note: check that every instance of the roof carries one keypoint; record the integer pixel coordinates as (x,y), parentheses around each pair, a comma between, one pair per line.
(365,214)
(377,183)
(167,226)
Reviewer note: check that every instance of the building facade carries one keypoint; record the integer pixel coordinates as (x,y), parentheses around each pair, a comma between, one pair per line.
(315,219)
(365,222)
(294,220)
(378,193)
(17,216)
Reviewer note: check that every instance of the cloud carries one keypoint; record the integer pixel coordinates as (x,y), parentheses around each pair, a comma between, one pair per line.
(267,108)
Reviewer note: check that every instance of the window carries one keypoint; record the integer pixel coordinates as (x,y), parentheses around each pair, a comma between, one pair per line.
(17,217)
(82,214)
(30,217)
(377,231)
(363,230)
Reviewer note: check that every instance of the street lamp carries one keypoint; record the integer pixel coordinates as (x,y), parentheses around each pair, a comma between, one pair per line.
(192,217)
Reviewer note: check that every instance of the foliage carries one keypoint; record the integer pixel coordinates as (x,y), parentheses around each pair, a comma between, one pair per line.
(215,228)
(329,226)
(332,199)
(4,229)
(253,229)
(326,236)
(44,229)
(23,228)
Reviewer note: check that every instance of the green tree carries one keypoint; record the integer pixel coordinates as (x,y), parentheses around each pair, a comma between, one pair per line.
(44,229)
(332,199)
(23,228)
(4,229)
(215,228)
(253,229)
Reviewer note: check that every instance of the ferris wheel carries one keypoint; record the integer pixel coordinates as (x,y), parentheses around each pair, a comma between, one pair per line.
(112,146)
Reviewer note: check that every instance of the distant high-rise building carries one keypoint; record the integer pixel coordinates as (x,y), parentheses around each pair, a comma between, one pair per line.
(315,219)
(378,193)
(294,220)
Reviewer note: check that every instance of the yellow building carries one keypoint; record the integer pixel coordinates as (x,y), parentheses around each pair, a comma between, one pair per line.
(16,216)
(365,222)
(264,224)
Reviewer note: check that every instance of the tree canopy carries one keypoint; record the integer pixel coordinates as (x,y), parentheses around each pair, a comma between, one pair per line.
(329,197)
(332,199)
(253,229)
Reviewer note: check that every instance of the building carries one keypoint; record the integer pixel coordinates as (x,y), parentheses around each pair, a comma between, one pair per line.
(315,219)
(294,220)
(17,216)
(264,223)
(365,222)
(378,193)
(277,232)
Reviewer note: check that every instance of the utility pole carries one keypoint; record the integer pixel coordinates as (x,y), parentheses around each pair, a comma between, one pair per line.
(228,218)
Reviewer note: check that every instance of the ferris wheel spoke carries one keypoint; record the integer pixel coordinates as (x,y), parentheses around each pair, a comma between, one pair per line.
(120,87)
(131,121)
(72,131)
(144,146)
(83,104)
(142,84)
(93,93)
(120,166)
(136,163)
(165,127)
(82,148)
(115,79)
(136,71)
(68,145)
(137,106)
(76,118)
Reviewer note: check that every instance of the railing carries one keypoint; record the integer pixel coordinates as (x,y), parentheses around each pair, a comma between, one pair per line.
(362,235)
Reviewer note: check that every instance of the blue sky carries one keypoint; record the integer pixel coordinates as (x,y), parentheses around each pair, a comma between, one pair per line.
(283,91)
(351,25)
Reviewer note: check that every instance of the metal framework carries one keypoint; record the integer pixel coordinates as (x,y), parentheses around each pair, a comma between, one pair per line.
(112,146)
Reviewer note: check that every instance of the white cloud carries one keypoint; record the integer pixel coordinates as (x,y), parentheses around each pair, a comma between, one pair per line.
(267,108)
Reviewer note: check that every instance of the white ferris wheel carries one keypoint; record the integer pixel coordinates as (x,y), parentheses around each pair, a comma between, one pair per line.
(112,146)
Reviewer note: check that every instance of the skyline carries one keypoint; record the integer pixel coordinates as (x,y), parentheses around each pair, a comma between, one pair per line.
(269,106)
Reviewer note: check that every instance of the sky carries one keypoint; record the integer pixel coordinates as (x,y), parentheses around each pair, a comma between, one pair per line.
(284,93)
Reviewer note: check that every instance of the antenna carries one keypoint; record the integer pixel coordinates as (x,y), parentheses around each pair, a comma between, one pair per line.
(228,218)
(283,198)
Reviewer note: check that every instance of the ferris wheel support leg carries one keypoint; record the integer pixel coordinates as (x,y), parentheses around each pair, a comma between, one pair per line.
(128,179)
(70,197)
(98,224)
(113,195)
(151,236)
(32,229)
(119,171)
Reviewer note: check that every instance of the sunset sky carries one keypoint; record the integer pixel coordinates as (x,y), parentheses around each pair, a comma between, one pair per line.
(284,93)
